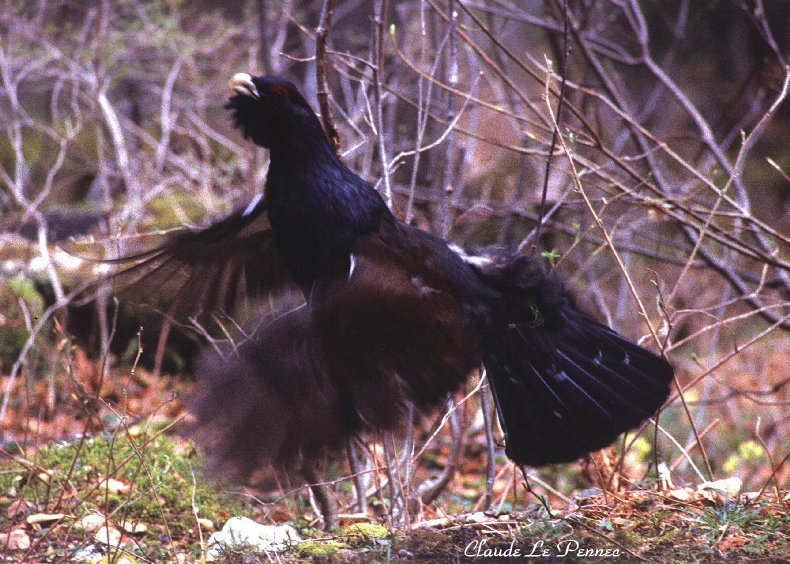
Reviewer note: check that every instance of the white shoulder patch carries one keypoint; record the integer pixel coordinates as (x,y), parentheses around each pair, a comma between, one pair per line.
(252,205)
(474,260)
(352,264)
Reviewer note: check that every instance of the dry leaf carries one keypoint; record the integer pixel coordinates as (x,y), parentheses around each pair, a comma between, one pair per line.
(92,522)
(17,539)
(206,524)
(43,518)
(134,527)
(115,486)
(18,507)
(682,494)
(665,478)
(108,535)
(720,491)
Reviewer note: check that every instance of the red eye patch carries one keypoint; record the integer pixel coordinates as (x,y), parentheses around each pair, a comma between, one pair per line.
(282,92)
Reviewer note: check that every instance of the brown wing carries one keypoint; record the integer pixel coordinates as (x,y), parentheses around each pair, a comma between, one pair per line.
(271,402)
(216,268)
(367,344)
(393,330)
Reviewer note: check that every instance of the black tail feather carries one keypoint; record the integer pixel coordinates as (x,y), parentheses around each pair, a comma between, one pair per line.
(564,384)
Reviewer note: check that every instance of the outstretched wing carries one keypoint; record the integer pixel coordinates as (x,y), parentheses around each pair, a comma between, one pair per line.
(394,330)
(387,334)
(217,268)
(272,401)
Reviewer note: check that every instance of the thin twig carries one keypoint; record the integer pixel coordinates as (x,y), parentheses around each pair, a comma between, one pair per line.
(322,88)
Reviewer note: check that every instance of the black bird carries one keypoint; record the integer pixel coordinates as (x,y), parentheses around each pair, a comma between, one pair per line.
(392,316)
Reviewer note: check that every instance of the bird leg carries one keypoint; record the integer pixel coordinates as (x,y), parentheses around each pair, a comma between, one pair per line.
(321,492)
(485,405)
(430,489)
(358,476)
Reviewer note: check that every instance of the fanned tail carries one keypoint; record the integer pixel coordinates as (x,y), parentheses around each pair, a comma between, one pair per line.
(564,384)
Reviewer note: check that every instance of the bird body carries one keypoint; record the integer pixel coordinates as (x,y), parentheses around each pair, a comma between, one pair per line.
(317,210)
(393,316)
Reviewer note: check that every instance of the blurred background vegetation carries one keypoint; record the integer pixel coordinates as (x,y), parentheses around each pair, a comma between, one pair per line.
(667,195)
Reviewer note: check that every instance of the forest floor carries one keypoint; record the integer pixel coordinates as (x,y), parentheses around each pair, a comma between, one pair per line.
(106,477)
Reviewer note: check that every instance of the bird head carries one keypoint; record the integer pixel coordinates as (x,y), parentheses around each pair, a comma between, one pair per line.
(271,111)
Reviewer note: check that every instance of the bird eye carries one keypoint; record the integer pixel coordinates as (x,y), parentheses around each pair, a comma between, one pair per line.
(281,92)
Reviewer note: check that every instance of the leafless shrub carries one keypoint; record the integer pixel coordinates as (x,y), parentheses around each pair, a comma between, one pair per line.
(666,194)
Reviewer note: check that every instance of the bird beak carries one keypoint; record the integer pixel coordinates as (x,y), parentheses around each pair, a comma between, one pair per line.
(241,83)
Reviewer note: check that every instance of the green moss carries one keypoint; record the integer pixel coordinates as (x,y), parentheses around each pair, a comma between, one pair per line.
(25,290)
(161,482)
(319,550)
(360,533)
(118,559)
(547,530)
(13,327)
(162,210)
(747,451)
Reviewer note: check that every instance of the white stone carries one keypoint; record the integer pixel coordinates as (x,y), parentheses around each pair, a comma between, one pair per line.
(241,531)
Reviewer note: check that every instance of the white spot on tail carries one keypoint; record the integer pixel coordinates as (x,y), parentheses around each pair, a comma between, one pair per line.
(598,357)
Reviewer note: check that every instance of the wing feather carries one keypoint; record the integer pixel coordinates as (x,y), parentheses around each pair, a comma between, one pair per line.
(220,267)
